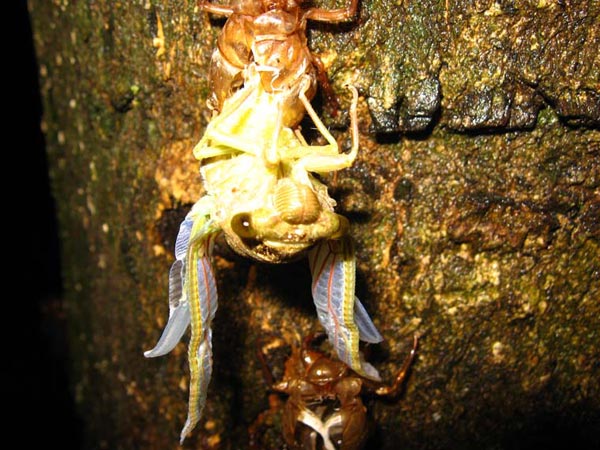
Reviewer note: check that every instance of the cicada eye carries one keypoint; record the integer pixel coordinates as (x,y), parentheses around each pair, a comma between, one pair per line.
(343,228)
(241,224)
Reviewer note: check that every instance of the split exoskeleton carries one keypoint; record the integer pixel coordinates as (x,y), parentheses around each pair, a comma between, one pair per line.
(325,408)
(271,34)
(261,193)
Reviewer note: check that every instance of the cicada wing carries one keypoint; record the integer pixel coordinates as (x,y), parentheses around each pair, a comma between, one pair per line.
(202,294)
(192,300)
(332,265)
(179,319)
(200,374)
(179,310)
(366,328)
(182,242)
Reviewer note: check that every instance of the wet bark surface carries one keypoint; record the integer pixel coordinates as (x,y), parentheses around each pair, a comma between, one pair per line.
(474,204)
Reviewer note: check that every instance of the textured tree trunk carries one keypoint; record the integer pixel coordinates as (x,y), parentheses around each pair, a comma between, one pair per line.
(474,205)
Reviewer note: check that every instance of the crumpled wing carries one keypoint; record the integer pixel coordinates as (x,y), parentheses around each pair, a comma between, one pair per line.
(179,308)
(332,265)
(192,300)
(202,291)
(367,330)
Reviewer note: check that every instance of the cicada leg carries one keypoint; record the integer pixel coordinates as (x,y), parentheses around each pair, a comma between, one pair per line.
(250,122)
(332,15)
(193,300)
(332,264)
(326,87)
(327,158)
(393,389)
(220,10)
(219,137)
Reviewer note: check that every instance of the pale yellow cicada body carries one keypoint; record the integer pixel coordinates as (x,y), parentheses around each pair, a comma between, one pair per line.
(270,207)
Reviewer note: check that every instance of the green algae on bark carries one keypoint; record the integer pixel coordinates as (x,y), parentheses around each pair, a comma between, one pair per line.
(471,65)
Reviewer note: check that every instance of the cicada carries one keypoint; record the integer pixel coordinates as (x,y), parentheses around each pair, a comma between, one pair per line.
(324,408)
(263,196)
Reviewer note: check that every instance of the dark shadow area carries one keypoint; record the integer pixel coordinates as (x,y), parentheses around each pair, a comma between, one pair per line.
(544,431)
(41,408)
(556,430)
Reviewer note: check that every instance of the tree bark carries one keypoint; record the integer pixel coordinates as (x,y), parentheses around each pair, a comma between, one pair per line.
(474,204)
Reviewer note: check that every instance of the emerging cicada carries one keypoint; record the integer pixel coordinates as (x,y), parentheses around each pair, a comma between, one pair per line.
(260,189)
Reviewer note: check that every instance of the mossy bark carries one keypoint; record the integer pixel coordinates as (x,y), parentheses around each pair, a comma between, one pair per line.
(474,204)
